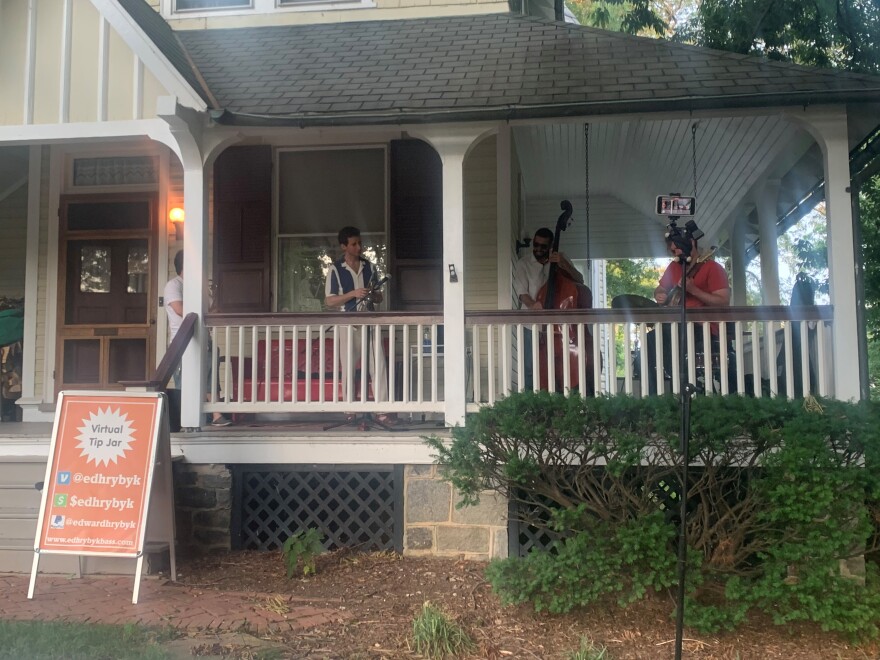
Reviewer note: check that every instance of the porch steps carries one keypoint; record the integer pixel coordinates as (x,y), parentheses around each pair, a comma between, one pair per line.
(19,509)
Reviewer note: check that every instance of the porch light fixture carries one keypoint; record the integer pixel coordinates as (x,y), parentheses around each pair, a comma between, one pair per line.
(176,216)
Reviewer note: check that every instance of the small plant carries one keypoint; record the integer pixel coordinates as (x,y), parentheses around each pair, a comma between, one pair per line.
(435,636)
(303,546)
(589,651)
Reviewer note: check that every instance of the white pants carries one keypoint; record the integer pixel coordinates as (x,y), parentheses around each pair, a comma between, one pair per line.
(376,364)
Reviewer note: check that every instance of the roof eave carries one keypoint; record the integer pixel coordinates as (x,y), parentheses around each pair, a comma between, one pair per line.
(546,111)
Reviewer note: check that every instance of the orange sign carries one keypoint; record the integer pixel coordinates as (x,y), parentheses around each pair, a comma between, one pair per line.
(100,469)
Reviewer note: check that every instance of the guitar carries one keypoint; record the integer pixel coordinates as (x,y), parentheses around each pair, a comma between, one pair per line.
(673,296)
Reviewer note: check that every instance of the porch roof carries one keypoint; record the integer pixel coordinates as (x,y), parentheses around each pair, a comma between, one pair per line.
(497,66)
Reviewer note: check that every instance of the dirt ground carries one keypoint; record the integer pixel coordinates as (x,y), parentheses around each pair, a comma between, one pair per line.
(382,593)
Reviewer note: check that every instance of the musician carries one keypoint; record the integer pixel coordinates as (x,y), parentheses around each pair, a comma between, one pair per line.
(532,272)
(347,289)
(706,285)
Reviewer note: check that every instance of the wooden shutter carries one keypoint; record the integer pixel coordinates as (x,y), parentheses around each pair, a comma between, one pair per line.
(242,230)
(416,239)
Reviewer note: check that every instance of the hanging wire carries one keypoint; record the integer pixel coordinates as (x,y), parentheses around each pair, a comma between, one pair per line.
(587,184)
(694,154)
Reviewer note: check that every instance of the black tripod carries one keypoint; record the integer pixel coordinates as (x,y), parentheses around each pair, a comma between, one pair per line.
(682,240)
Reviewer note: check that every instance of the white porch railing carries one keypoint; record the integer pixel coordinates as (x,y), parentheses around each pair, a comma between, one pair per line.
(767,351)
(326,363)
(301,363)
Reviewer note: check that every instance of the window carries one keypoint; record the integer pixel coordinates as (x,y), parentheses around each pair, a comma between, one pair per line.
(115,171)
(319,193)
(192,5)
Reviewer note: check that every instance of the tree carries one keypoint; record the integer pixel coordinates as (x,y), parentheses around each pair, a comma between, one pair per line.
(639,276)
(826,33)
(870,226)
(644,17)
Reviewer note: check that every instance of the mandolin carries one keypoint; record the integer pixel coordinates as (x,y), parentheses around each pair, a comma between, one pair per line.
(673,296)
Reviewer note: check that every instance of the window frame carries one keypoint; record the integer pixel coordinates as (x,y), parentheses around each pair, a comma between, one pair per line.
(278,236)
(260,7)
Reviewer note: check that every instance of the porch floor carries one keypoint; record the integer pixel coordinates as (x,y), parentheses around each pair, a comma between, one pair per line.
(289,441)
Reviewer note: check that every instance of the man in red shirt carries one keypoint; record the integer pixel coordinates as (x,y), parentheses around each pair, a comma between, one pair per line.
(706,285)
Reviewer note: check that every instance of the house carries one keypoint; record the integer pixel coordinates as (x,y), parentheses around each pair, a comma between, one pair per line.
(447,132)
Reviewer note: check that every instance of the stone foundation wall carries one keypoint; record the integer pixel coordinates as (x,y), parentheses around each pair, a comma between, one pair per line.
(202,508)
(434,526)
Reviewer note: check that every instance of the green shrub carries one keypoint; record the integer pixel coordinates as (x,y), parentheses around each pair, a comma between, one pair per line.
(300,550)
(780,492)
(435,636)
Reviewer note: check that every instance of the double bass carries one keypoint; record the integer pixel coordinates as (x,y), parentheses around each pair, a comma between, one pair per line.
(562,292)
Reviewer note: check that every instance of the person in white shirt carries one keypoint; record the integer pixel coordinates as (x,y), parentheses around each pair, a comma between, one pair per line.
(173,301)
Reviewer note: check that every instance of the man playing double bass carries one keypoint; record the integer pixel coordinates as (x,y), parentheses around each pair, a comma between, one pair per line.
(532,271)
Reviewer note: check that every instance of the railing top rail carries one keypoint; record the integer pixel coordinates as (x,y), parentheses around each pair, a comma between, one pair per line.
(655,314)
(323,318)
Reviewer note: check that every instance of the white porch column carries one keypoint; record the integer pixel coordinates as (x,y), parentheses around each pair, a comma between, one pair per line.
(829,128)
(29,400)
(452,144)
(738,260)
(766,203)
(503,191)
(185,127)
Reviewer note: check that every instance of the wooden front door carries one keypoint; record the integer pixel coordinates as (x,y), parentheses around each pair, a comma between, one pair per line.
(107,278)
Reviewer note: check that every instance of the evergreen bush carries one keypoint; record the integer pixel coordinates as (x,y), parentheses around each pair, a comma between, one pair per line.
(780,493)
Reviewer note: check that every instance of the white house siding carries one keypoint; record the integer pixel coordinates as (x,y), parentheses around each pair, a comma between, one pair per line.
(13,229)
(84,65)
(382,10)
(13,28)
(480,203)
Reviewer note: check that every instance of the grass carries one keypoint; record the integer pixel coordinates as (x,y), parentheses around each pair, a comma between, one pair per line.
(435,636)
(52,640)
(589,651)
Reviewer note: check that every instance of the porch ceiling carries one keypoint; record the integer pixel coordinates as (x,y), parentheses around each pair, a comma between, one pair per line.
(634,161)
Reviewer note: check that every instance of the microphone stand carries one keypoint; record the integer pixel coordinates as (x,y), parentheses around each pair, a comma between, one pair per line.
(684,448)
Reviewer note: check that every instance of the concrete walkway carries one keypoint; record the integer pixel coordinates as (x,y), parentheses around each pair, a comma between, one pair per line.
(99,599)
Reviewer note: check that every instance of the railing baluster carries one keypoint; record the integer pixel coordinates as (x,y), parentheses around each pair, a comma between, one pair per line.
(476,370)
(770,340)
(821,338)
(722,358)
(789,360)
(806,386)
(490,357)
(675,367)
(740,361)
(708,362)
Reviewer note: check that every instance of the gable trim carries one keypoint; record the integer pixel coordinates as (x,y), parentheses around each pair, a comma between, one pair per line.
(147,51)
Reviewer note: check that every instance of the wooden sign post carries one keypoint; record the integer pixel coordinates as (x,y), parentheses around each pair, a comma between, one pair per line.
(108,474)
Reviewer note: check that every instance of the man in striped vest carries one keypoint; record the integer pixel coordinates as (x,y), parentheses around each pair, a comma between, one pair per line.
(348,289)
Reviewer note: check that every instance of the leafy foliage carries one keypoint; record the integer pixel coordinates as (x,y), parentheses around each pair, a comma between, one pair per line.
(781,492)
(300,550)
(630,16)
(839,33)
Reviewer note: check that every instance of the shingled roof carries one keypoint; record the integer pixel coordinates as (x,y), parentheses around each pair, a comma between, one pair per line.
(496,66)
